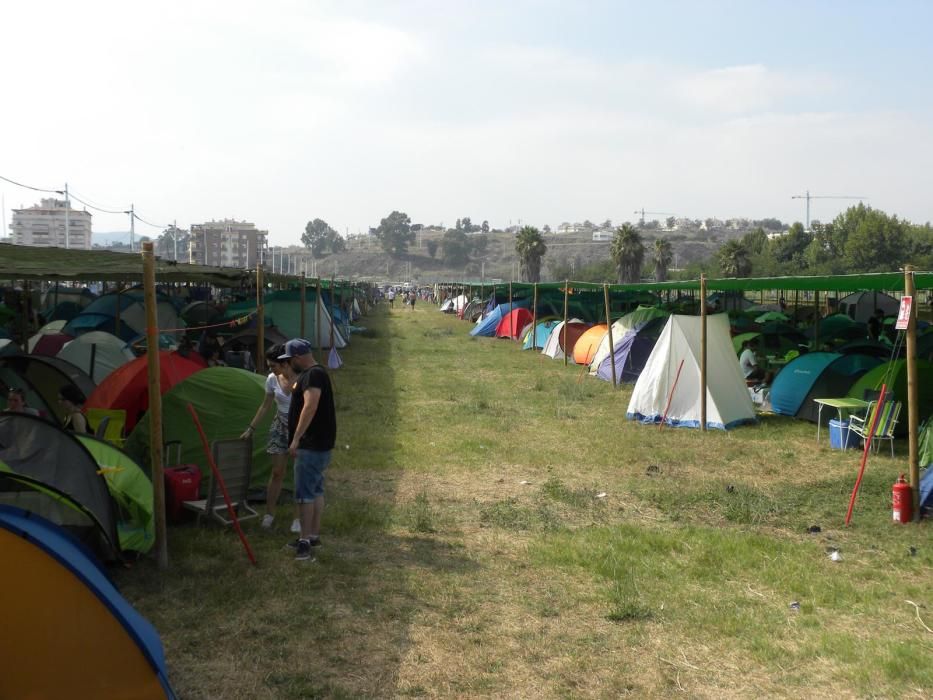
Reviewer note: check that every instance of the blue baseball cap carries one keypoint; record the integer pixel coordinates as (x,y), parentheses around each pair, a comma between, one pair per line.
(295,348)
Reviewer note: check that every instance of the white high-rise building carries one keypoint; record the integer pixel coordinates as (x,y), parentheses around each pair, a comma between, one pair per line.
(228,243)
(43,225)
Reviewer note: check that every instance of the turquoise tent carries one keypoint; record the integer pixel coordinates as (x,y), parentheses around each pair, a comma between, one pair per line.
(816,375)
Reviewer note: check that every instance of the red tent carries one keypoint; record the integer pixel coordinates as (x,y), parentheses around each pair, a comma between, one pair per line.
(50,343)
(512,323)
(127,387)
(574,330)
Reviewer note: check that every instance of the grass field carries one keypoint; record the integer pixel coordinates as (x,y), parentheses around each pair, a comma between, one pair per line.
(495,528)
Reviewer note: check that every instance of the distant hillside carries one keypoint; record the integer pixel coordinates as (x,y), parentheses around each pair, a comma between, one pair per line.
(104,238)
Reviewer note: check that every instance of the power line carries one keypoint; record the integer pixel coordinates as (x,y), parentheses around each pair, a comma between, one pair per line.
(148,223)
(30,187)
(87,201)
(100,209)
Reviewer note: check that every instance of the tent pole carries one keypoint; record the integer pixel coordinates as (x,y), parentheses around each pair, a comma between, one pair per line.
(155,405)
(566,294)
(612,348)
(317,317)
(534,318)
(703,352)
(304,288)
(260,322)
(913,398)
(511,330)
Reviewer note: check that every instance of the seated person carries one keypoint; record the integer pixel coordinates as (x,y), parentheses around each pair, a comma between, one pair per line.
(16,402)
(749,362)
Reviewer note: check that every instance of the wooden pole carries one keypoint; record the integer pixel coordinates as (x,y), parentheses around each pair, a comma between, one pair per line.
(796,305)
(816,321)
(317,317)
(534,318)
(304,293)
(511,330)
(260,322)
(116,318)
(913,393)
(155,404)
(566,300)
(703,353)
(612,348)
(332,304)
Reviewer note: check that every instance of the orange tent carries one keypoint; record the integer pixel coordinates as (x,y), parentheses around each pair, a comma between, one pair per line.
(127,387)
(588,343)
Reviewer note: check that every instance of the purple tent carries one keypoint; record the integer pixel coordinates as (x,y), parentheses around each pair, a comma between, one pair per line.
(631,353)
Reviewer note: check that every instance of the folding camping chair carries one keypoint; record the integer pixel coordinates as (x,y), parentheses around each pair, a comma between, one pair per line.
(107,424)
(890,412)
(234,459)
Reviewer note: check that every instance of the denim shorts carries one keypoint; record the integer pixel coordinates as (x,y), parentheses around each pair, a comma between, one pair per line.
(310,466)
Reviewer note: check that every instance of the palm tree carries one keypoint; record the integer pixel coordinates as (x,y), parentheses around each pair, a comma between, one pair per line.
(663,254)
(628,253)
(734,260)
(530,247)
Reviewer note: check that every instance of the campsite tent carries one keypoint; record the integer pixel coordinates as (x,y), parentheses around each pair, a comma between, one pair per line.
(554,347)
(97,354)
(247,339)
(50,328)
(487,326)
(838,327)
(894,374)
(53,461)
(63,611)
(283,309)
(50,344)
(727,401)
(225,399)
(585,347)
(816,375)
(41,378)
(127,388)
(632,351)
(101,315)
(861,306)
(539,337)
(623,325)
(512,323)
(200,313)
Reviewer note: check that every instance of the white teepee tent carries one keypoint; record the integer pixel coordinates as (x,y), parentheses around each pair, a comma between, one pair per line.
(727,401)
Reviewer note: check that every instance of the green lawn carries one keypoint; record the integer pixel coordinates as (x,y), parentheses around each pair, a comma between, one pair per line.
(469,550)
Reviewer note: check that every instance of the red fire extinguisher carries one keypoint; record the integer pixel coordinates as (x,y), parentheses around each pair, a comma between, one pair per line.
(903,501)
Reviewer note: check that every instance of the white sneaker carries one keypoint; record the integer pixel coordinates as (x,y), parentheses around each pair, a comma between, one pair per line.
(267,520)
(296,526)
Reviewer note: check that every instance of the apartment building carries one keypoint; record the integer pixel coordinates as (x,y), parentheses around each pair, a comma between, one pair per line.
(43,225)
(227,243)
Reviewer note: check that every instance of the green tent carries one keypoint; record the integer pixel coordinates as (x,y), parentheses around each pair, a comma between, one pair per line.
(895,373)
(130,489)
(282,308)
(225,399)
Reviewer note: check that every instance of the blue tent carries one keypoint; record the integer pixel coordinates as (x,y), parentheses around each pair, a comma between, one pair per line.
(632,352)
(537,339)
(487,326)
(816,375)
(67,609)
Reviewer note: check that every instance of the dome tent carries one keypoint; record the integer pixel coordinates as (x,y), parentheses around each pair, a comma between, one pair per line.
(97,353)
(101,315)
(813,376)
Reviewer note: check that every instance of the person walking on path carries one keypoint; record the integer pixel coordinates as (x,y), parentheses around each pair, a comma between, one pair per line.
(312,430)
(278,392)
(391,297)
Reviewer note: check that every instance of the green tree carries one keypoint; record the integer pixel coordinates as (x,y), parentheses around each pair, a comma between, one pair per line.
(432,247)
(456,246)
(531,249)
(670,221)
(788,250)
(663,255)
(320,238)
(484,227)
(478,245)
(627,253)
(878,243)
(734,260)
(395,234)
(756,241)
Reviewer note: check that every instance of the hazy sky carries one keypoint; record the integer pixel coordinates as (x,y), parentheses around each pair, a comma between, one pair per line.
(279,112)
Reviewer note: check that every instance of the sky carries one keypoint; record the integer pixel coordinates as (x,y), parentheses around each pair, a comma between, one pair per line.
(539,112)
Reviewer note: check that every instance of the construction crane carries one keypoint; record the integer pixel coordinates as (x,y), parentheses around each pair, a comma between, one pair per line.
(807,196)
(642,212)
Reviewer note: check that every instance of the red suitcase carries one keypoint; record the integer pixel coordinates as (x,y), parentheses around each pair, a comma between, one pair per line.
(182,482)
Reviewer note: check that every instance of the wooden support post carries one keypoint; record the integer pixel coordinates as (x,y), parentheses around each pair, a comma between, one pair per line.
(260,322)
(317,318)
(564,329)
(511,330)
(816,321)
(534,317)
(332,305)
(612,350)
(304,293)
(154,412)
(116,315)
(703,353)
(913,393)
(796,305)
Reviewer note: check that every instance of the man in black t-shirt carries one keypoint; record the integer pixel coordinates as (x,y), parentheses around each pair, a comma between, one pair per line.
(312,431)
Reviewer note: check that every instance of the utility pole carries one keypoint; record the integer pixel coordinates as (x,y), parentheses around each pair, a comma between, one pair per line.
(175,239)
(67,206)
(132,214)
(807,196)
